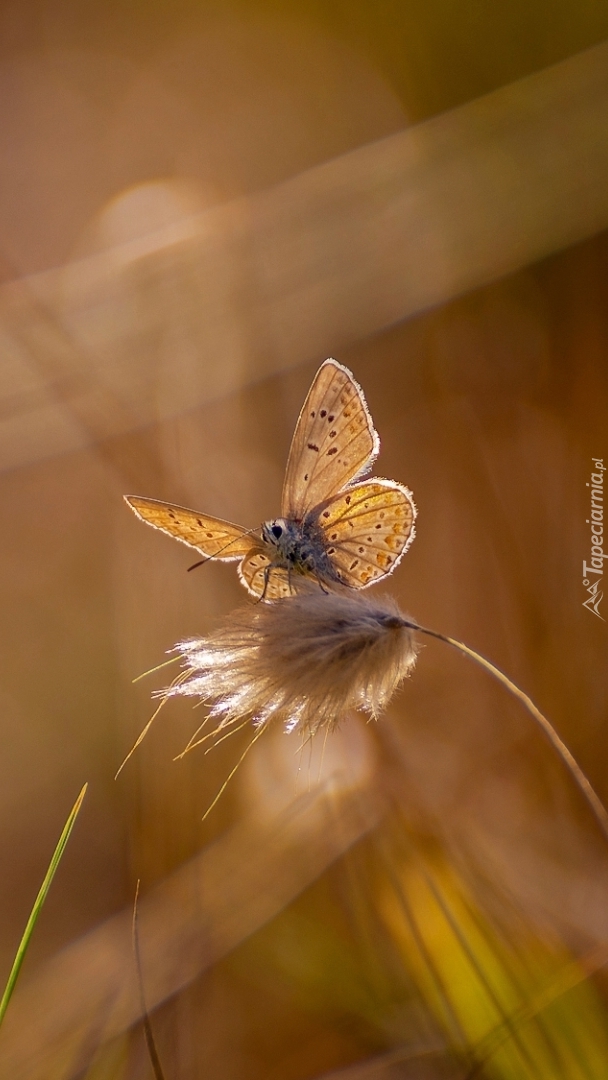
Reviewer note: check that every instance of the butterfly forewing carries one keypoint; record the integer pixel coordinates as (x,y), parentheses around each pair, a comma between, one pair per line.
(367,529)
(213,537)
(334,441)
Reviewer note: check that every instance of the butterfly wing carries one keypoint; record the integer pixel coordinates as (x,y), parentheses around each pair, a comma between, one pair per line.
(334,441)
(213,537)
(368,528)
(262,579)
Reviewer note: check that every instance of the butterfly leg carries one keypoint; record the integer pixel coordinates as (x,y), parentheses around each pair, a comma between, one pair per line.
(321,586)
(267,570)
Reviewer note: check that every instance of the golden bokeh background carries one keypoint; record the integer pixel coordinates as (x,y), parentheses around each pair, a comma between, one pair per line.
(200,202)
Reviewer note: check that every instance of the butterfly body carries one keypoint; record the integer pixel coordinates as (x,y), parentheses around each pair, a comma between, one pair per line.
(334,527)
(299,548)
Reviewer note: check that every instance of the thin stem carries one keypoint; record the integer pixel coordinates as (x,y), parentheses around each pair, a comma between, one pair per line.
(233,771)
(149,1034)
(150,671)
(140,738)
(592,798)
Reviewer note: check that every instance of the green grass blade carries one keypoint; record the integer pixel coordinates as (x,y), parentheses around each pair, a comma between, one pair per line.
(35,912)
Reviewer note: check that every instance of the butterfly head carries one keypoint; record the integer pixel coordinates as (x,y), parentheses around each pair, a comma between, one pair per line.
(276,532)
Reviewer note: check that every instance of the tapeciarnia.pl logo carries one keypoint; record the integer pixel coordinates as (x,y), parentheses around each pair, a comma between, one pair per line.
(593,572)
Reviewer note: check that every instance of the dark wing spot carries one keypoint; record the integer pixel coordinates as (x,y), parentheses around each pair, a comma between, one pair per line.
(331,551)
(332,434)
(334,536)
(378,526)
(326,513)
(330,419)
(353,564)
(323,413)
(332,450)
(311,446)
(361,550)
(305,476)
(348,500)
(313,414)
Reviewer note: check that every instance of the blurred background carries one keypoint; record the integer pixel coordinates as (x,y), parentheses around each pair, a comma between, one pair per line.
(200,202)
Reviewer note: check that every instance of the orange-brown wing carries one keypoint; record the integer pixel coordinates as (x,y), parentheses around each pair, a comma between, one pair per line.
(213,537)
(262,579)
(334,441)
(368,528)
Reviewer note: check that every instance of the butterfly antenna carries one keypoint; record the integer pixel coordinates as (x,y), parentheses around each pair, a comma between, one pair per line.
(208,558)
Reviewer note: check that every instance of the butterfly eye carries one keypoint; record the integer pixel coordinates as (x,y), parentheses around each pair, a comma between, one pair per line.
(277,531)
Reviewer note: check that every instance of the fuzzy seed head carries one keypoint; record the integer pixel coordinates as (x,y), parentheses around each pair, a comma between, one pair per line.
(306,660)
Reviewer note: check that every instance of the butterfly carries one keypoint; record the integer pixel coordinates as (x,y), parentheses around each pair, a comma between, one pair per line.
(335,526)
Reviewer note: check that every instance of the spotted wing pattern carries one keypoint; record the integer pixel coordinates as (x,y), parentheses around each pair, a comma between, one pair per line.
(262,579)
(334,441)
(368,528)
(213,537)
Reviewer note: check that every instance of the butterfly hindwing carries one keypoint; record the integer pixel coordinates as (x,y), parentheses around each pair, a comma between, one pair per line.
(334,441)
(367,529)
(262,579)
(213,537)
